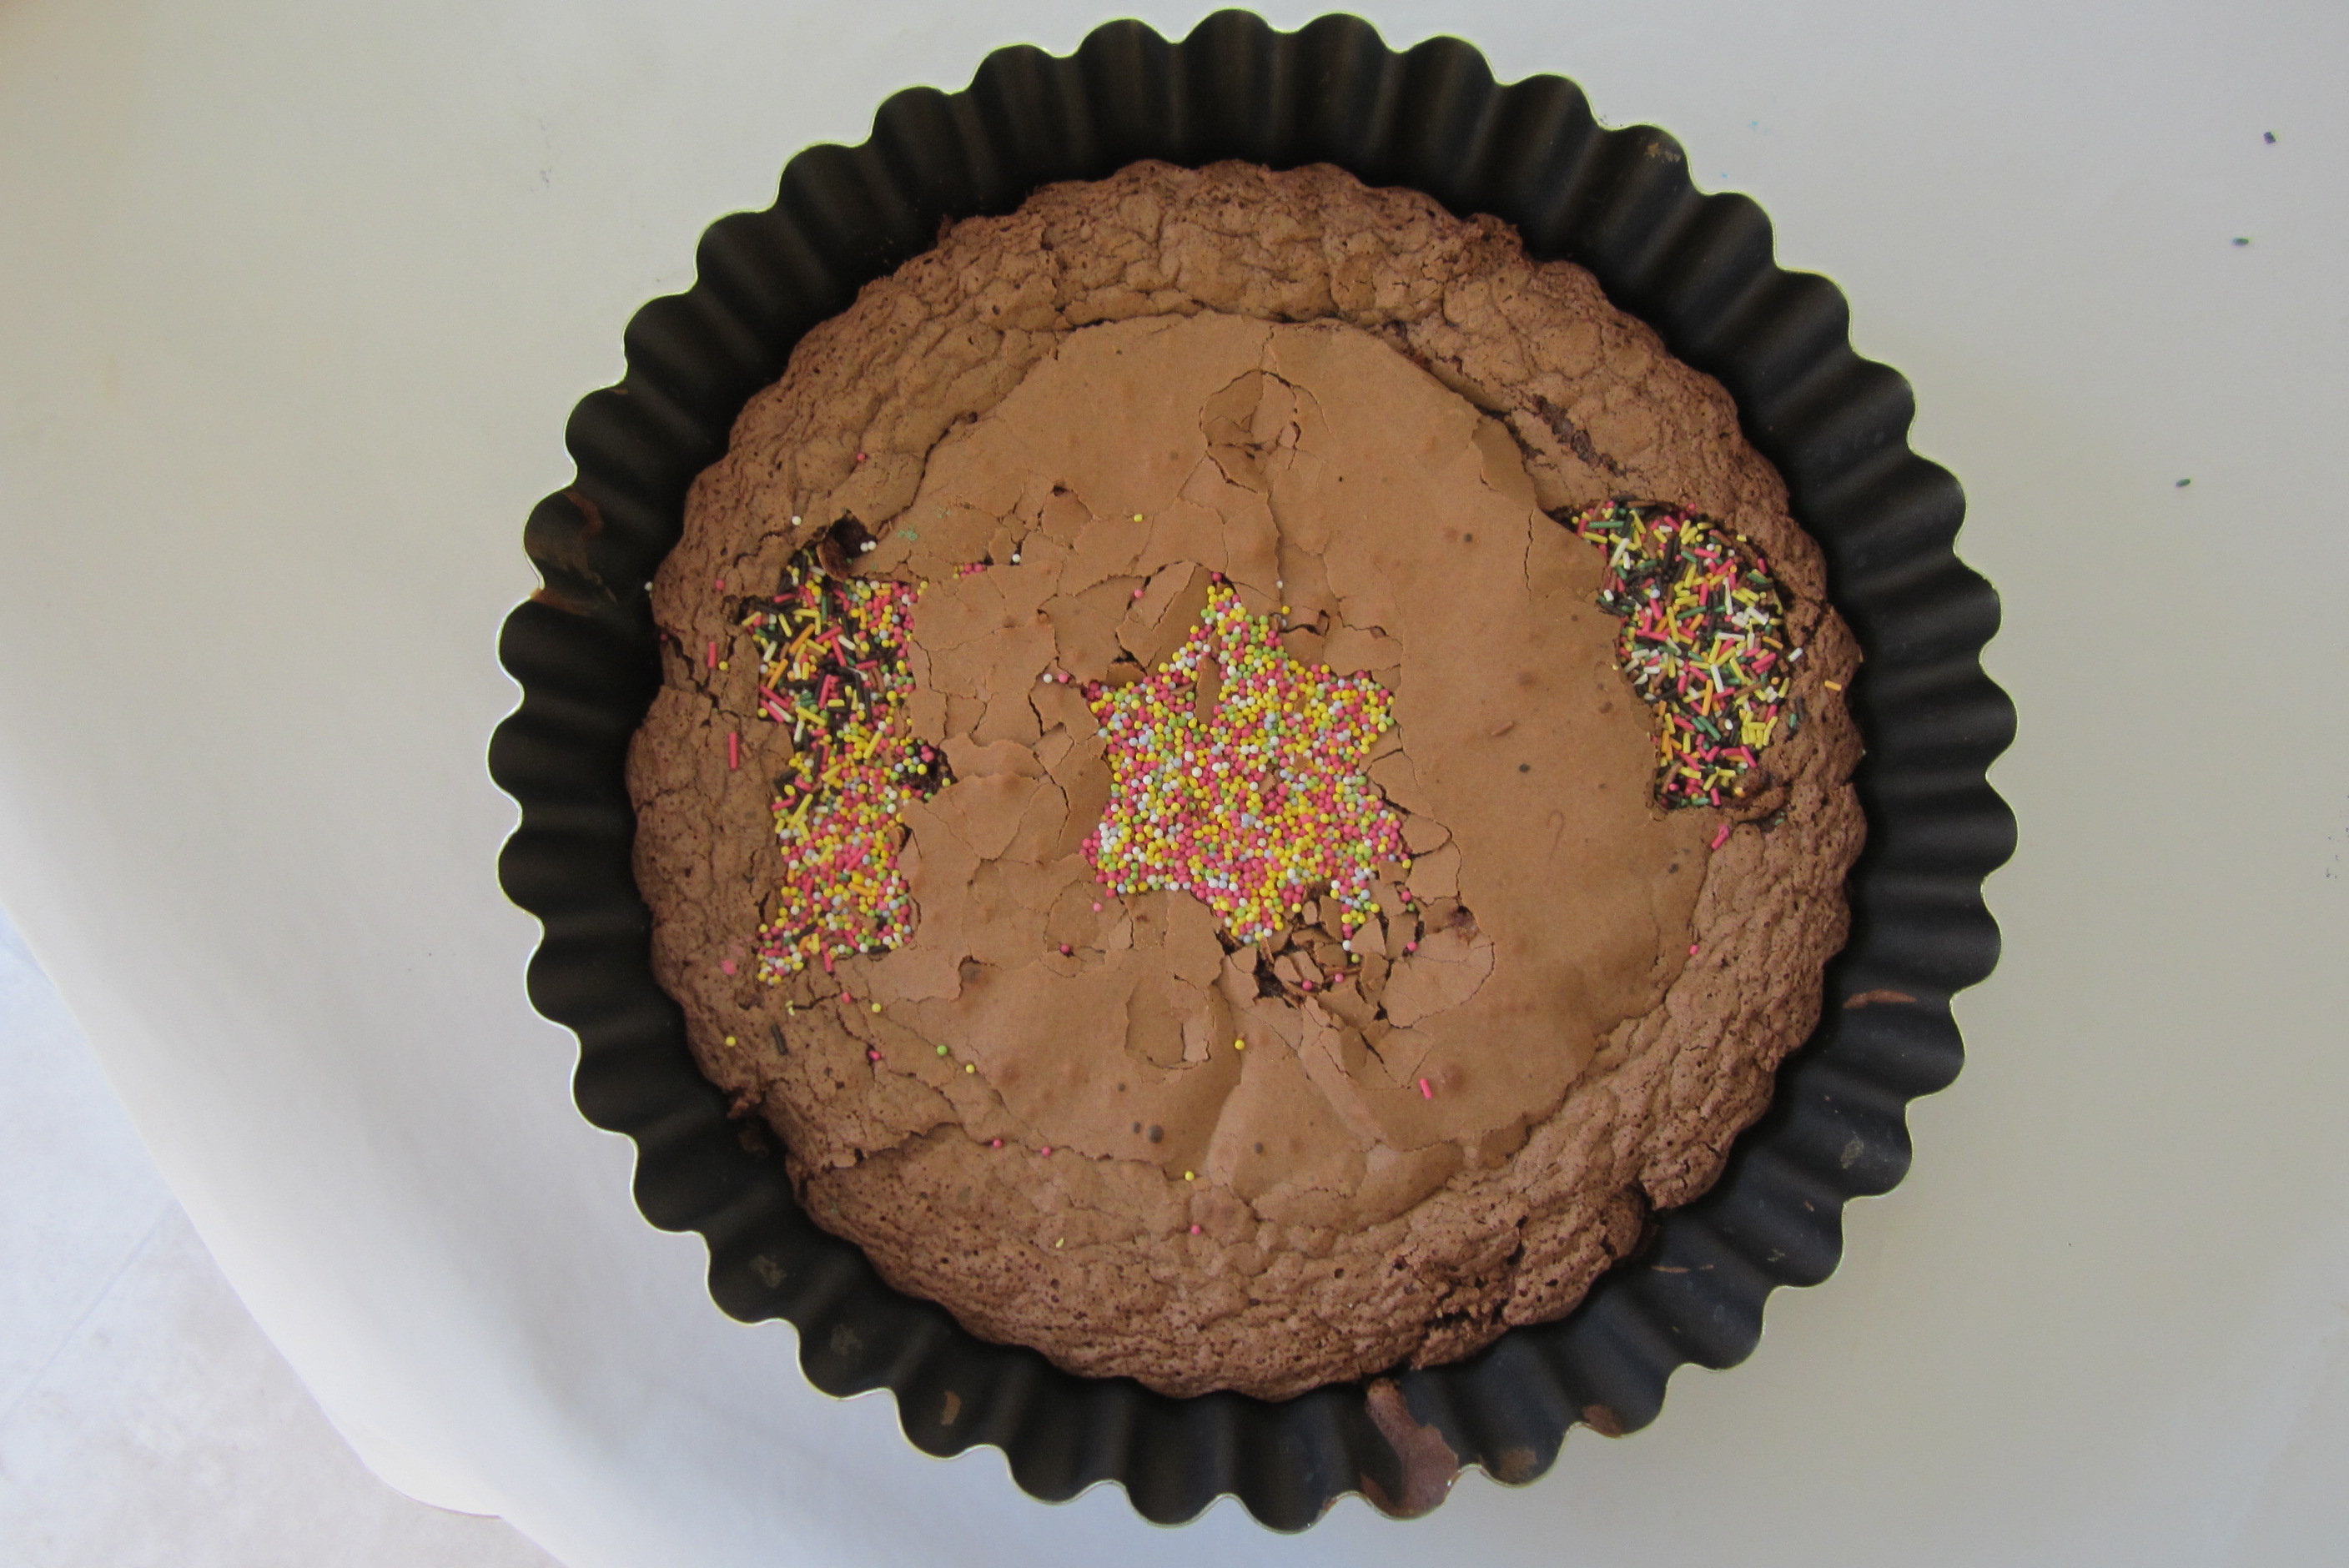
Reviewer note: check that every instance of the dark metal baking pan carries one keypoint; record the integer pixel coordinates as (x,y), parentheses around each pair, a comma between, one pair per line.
(1696,267)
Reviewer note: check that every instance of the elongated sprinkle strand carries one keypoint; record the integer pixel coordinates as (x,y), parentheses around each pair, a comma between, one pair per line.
(833,669)
(1255,805)
(1704,641)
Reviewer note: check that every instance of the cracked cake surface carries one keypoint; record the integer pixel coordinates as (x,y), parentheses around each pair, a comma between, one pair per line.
(1147,801)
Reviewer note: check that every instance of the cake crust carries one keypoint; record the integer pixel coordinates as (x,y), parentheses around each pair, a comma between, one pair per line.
(1127,396)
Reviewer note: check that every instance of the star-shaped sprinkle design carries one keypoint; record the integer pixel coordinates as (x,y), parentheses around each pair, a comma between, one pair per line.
(1253,802)
(1704,641)
(833,670)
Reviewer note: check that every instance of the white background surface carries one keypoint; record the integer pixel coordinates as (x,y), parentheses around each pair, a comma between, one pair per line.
(145,1420)
(294,302)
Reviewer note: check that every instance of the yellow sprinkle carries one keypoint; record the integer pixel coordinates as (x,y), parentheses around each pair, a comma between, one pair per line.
(1834,685)
(1187,1176)
(1062,1242)
(1237,1044)
(877,1007)
(729,1040)
(971,1067)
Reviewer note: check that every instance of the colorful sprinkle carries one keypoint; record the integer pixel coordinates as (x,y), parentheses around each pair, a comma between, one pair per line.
(832,670)
(1704,641)
(1260,804)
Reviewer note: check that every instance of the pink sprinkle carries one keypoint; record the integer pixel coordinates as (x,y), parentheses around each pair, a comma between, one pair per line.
(1194,1230)
(727,965)
(1137,593)
(1066,950)
(1066,677)
(871,1056)
(1306,983)
(1048,1152)
(1692,950)
(1411,947)
(1721,837)
(995,1143)
(713,656)
(860,457)
(1424,1091)
(1097,909)
(733,749)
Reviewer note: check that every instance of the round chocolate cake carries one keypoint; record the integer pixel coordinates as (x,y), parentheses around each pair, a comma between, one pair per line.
(1247,777)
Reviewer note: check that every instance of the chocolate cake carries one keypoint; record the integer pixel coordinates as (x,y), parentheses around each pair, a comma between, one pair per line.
(1247,776)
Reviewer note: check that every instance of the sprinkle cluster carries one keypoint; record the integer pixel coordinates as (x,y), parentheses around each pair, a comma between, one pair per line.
(1704,641)
(833,668)
(1257,804)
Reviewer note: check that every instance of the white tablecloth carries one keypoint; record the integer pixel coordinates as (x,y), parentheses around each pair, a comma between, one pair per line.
(294,302)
